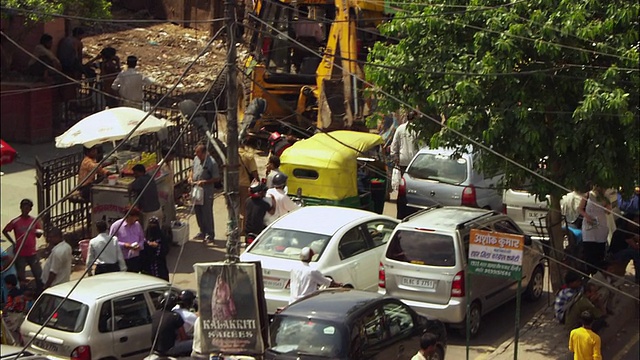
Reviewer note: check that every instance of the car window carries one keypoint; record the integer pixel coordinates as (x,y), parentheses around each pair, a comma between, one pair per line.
(287,244)
(398,318)
(380,231)
(299,335)
(442,168)
(373,327)
(131,311)
(352,243)
(422,248)
(105,321)
(69,317)
(505,226)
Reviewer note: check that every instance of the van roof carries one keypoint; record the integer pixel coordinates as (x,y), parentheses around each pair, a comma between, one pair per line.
(445,218)
(105,285)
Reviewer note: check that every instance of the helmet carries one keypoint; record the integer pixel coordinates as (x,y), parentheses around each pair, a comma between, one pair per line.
(256,189)
(279,179)
(186,298)
(274,137)
(306,254)
(168,300)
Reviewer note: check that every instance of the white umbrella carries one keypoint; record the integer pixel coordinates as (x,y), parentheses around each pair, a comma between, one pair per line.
(108,126)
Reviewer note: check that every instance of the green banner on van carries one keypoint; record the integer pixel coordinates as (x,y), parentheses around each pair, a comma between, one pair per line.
(495,254)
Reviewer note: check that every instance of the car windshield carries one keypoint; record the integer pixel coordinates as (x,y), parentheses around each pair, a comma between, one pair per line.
(300,336)
(442,168)
(287,244)
(69,317)
(422,248)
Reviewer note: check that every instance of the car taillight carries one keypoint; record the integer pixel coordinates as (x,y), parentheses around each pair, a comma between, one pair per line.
(457,286)
(82,352)
(469,196)
(382,278)
(402,187)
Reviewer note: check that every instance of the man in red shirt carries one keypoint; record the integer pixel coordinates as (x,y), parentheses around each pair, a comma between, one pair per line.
(25,243)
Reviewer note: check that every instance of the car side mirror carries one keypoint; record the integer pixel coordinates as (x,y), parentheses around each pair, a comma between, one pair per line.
(528,240)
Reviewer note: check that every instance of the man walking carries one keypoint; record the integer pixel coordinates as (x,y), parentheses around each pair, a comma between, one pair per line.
(583,342)
(57,268)
(105,251)
(204,173)
(403,146)
(25,243)
(129,84)
(304,279)
(130,239)
(427,347)
(145,190)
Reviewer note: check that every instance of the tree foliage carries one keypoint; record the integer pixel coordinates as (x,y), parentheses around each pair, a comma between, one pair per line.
(43,10)
(550,84)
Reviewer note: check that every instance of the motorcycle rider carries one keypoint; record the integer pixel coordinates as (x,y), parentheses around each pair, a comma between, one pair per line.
(255,209)
(187,308)
(171,340)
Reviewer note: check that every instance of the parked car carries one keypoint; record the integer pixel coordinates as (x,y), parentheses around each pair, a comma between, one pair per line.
(425,262)
(525,210)
(347,244)
(440,177)
(107,316)
(12,352)
(351,324)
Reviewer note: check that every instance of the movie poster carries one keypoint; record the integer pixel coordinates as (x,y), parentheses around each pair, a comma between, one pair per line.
(231,308)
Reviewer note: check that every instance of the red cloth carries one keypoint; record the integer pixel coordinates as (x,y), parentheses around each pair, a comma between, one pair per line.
(19,227)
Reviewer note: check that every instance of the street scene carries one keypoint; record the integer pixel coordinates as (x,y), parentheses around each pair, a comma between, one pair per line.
(282,179)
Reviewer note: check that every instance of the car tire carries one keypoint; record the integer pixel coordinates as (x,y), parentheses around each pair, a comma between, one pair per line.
(438,355)
(475,314)
(535,289)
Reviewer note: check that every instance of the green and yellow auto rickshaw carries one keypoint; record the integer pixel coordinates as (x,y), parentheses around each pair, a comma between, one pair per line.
(340,168)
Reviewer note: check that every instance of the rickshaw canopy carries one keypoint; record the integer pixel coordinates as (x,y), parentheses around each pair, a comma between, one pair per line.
(325,165)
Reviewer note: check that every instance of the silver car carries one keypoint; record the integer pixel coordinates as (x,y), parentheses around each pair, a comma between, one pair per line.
(525,210)
(425,261)
(441,177)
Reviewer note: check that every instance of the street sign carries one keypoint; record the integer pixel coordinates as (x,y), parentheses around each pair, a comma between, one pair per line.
(495,254)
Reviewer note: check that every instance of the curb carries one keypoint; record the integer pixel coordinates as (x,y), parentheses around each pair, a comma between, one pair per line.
(505,346)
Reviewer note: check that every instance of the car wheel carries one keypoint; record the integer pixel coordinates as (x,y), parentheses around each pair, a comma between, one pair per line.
(475,317)
(536,285)
(438,355)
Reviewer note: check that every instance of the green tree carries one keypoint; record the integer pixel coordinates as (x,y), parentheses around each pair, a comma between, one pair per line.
(551,84)
(42,10)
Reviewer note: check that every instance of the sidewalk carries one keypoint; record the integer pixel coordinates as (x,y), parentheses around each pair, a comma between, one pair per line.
(544,338)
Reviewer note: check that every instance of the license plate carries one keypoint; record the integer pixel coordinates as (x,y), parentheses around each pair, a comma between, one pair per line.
(272,282)
(422,283)
(46,345)
(534,215)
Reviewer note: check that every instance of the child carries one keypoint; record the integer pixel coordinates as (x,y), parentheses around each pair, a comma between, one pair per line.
(571,288)
(29,298)
(255,209)
(15,299)
(583,342)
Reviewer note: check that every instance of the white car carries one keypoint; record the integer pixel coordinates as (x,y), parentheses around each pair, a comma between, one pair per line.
(525,210)
(107,316)
(347,244)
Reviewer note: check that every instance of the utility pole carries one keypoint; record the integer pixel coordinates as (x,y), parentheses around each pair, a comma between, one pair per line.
(231,180)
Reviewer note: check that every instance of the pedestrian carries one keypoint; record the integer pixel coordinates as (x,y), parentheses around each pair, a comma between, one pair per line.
(284,204)
(156,248)
(428,343)
(8,267)
(273,168)
(105,252)
(15,298)
(256,209)
(42,55)
(70,53)
(57,268)
(145,193)
(204,173)
(247,174)
(625,243)
(167,331)
(570,207)
(588,300)
(631,206)
(187,309)
(583,342)
(25,243)
(595,231)
(86,178)
(567,295)
(404,144)
(130,84)
(304,279)
(130,238)
(109,69)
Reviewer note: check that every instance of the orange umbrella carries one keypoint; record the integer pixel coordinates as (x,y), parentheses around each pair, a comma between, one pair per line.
(7,153)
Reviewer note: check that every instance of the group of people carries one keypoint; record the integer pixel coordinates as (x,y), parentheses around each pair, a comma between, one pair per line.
(121,87)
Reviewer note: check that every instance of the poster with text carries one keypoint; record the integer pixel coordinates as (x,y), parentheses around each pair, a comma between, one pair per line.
(232,315)
(495,254)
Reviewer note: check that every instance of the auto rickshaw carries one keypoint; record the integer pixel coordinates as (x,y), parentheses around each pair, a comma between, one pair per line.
(339,168)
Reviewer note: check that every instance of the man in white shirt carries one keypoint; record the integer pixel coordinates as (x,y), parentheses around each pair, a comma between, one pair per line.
(284,204)
(404,144)
(304,279)
(57,268)
(570,204)
(108,260)
(129,84)
(186,307)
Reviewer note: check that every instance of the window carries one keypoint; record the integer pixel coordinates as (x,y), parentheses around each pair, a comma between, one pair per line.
(131,311)
(442,168)
(380,231)
(373,327)
(287,244)
(397,318)
(105,321)
(352,243)
(305,174)
(69,317)
(293,335)
(505,226)
(422,248)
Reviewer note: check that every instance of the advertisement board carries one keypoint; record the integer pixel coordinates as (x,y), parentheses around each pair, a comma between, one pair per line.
(233,316)
(496,254)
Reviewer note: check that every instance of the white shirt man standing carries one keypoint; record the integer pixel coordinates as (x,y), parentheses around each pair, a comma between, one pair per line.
(108,260)
(404,144)
(129,84)
(284,204)
(304,279)
(57,268)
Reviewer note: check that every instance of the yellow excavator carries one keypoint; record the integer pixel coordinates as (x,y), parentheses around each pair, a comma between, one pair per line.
(304,68)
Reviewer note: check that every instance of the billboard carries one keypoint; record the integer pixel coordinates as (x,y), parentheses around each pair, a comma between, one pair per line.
(233,317)
(496,254)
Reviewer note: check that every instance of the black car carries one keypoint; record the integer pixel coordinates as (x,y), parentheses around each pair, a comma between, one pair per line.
(350,324)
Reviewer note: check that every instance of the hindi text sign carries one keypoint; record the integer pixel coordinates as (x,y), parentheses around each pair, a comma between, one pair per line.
(496,254)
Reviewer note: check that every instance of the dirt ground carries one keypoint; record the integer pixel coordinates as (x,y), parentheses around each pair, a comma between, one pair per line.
(164,50)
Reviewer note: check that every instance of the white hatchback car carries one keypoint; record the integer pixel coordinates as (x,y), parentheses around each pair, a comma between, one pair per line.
(107,316)
(347,244)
